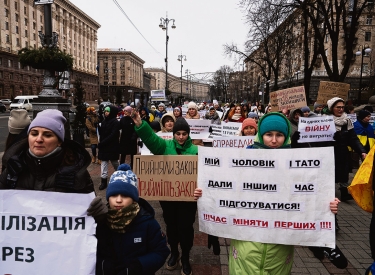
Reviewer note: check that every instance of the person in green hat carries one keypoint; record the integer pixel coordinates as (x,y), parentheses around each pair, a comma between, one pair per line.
(248,257)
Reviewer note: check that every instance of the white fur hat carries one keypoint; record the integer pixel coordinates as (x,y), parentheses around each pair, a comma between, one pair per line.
(332,101)
(192,105)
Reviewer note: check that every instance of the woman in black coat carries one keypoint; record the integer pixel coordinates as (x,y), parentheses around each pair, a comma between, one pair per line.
(128,140)
(109,145)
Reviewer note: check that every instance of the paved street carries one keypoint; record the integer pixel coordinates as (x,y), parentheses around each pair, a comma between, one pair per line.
(352,239)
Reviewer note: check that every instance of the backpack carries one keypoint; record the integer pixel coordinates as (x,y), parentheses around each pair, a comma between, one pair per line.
(87,129)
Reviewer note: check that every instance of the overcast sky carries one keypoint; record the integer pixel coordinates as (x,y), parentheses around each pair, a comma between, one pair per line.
(202,28)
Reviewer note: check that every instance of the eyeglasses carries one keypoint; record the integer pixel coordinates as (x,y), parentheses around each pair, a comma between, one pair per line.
(339,107)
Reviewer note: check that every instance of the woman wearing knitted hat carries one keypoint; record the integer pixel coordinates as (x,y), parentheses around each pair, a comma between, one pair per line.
(44,161)
(249,127)
(179,216)
(345,136)
(167,122)
(92,122)
(261,258)
(177,112)
(192,113)
(129,218)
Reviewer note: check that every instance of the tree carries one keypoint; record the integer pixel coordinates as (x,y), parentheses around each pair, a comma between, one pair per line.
(221,83)
(78,125)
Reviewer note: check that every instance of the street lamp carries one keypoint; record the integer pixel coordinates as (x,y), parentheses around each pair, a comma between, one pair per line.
(187,72)
(364,52)
(297,73)
(180,58)
(164,26)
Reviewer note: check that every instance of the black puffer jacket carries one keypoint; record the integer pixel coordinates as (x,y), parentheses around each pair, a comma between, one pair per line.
(128,140)
(109,131)
(64,171)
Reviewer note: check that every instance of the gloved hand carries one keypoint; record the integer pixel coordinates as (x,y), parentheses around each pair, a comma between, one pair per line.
(214,241)
(97,208)
(295,137)
(140,143)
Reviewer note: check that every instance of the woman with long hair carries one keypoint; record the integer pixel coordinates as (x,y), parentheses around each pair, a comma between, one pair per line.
(236,115)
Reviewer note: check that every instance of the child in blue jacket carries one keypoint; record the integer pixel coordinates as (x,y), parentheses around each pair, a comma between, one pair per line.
(131,240)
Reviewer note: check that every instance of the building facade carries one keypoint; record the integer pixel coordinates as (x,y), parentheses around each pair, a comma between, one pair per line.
(19,25)
(120,71)
(186,87)
(291,72)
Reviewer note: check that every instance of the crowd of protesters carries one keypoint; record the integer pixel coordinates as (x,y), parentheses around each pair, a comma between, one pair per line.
(39,157)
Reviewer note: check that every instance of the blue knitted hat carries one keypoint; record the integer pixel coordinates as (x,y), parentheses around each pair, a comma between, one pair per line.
(274,122)
(124,182)
(305,109)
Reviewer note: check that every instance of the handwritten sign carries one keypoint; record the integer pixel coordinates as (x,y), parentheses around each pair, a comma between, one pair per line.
(233,141)
(291,98)
(46,233)
(328,90)
(268,196)
(166,178)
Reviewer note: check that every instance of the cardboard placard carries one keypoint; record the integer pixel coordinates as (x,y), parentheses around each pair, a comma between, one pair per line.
(166,178)
(291,98)
(329,89)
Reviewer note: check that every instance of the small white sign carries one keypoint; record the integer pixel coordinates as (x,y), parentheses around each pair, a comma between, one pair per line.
(43,2)
(316,129)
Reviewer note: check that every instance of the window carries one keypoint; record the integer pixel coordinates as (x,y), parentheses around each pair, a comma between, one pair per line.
(34,36)
(1,74)
(7,38)
(33,15)
(114,83)
(41,19)
(10,75)
(367,36)
(16,17)
(26,44)
(34,25)
(17,41)
(6,25)
(17,29)
(26,34)
(24,10)
(26,21)
(15,5)
(6,12)
(369,20)
(5,2)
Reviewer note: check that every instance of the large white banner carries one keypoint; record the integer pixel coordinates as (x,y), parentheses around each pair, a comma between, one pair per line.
(265,195)
(316,129)
(46,233)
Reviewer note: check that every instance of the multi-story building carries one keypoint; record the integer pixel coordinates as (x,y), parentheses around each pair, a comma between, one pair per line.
(291,72)
(120,71)
(192,90)
(20,22)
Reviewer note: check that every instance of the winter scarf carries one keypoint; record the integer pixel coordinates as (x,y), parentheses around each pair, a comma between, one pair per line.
(236,117)
(119,220)
(341,121)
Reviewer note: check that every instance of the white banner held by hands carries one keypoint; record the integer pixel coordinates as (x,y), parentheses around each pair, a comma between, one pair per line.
(46,233)
(268,196)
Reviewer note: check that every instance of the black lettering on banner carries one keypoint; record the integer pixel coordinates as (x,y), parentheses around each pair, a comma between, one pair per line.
(80,221)
(253,163)
(63,224)
(305,163)
(220,184)
(261,205)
